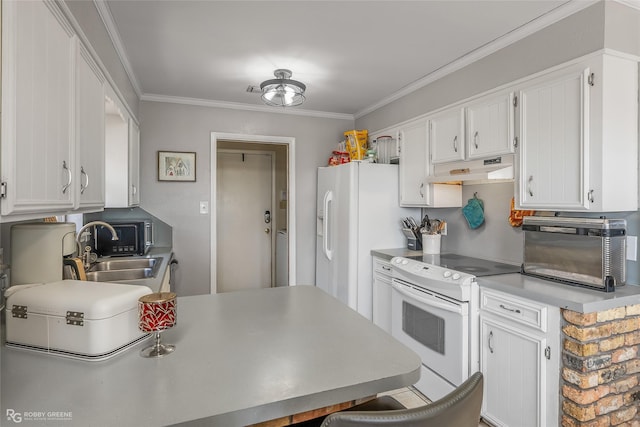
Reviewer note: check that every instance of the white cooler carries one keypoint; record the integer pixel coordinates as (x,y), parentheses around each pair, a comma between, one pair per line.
(73,318)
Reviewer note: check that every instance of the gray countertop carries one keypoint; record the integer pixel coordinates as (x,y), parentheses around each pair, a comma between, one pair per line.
(582,300)
(240,358)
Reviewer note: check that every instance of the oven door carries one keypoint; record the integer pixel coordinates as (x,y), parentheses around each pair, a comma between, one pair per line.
(435,327)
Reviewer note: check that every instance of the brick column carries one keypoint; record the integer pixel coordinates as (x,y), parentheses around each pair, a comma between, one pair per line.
(600,383)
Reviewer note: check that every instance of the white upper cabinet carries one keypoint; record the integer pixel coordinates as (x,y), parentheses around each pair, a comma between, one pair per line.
(90,116)
(134,164)
(446,130)
(414,164)
(122,154)
(553,115)
(578,138)
(489,126)
(38,153)
(415,169)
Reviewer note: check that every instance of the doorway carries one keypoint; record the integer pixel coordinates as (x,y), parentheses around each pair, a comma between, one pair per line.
(242,162)
(245,219)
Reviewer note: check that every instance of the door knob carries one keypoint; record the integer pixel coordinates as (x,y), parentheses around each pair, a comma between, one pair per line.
(267,230)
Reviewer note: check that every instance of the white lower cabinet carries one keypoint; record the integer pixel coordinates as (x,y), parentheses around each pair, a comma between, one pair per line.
(520,360)
(382,294)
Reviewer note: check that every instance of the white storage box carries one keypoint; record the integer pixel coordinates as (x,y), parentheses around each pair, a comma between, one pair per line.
(81,319)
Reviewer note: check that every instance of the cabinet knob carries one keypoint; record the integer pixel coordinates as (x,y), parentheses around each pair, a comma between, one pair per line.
(490,341)
(475,139)
(529,185)
(455,143)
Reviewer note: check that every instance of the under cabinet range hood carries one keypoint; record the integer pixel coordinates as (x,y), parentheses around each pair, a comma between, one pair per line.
(497,169)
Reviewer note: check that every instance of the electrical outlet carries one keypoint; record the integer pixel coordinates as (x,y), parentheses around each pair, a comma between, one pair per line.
(204,207)
(632,248)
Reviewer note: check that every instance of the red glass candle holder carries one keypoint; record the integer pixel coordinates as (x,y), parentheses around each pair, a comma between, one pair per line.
(156,313)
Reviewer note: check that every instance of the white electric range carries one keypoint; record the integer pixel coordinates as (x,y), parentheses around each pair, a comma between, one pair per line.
(434,311)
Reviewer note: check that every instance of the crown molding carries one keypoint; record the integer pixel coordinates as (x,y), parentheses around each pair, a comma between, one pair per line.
(635,4)
(523,31)
(245,107)
(114,35)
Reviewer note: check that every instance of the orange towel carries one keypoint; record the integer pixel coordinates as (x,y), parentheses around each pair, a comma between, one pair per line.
(515,216)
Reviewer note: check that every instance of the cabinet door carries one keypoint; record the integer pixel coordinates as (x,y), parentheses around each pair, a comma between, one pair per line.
(490,122)
(414,167)
(446,132)
(90,132)
(553,126)
(512,361)
(382,294)
(134,164)
(37,86)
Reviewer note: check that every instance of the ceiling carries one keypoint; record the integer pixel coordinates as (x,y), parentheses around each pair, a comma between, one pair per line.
(353,55)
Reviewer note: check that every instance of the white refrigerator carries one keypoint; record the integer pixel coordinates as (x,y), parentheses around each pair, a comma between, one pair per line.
(357,210)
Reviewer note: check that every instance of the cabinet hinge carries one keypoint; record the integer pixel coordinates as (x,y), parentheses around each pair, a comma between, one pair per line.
(3,190)
(591,79)
(547,353)
(515,101)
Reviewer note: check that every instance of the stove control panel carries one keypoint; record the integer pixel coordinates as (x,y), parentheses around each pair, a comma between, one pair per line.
(420,269)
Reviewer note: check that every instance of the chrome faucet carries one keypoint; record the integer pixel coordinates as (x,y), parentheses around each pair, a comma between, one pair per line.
(85,253)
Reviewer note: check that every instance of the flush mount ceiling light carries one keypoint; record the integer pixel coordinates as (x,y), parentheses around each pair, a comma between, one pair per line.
(282,91)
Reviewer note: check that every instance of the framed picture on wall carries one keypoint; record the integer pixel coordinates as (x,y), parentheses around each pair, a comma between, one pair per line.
(176,166)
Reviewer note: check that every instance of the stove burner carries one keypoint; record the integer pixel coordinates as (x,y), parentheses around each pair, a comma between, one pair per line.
(471,269)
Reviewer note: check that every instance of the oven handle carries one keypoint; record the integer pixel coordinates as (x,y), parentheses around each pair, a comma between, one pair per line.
(427,300)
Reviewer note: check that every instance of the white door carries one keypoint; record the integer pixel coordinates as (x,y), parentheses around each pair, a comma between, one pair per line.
(244,206)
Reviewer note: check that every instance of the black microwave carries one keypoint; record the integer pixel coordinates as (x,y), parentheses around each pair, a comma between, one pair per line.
(134,238)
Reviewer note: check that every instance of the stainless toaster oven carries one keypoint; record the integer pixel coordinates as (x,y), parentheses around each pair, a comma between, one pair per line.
(134,238)
(580,251)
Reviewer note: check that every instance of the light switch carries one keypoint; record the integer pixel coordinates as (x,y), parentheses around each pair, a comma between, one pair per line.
(632,248)
(204,207)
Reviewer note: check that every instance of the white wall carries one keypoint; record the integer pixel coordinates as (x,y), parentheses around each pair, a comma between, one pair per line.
(179,127)
(603,25)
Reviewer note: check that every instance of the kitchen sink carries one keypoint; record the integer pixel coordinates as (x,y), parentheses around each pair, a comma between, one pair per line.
(116,270)
(120,275)
(125,264)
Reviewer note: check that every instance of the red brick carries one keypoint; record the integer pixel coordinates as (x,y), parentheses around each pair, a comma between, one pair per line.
(632,338)
(624,354)
(612,343)
(602,421)
(582,349)
(580,413)
(609,404)
(632,366)
(626,325)
(623,385)
(623,415)
(612,314)
(588,333)
(612,373)
(587,380)
(633,310)
(585,397)
(580,319)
